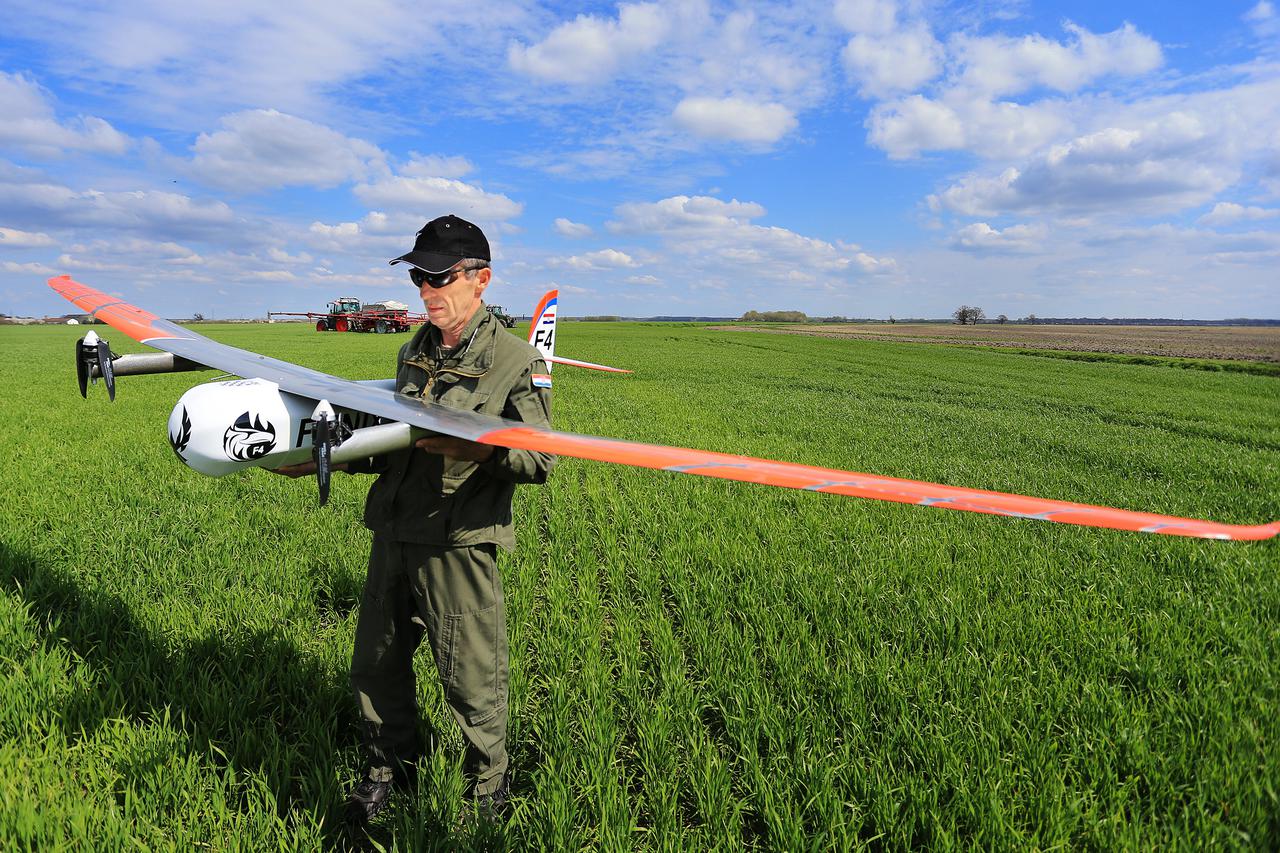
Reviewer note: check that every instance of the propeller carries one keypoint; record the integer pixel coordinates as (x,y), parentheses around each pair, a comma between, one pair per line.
(92,351)
(329,432)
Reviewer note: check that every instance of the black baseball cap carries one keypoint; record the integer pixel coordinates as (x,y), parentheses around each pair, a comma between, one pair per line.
(443,242)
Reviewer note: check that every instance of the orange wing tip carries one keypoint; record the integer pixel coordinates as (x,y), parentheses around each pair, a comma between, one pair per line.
(119,314)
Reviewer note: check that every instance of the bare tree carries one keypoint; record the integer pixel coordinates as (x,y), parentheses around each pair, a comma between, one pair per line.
(961,314)
(1002,319)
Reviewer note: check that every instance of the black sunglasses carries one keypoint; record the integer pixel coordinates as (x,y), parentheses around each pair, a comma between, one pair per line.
(436,280)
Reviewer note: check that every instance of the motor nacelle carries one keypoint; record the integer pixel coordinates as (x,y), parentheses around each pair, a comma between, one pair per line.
(221,427)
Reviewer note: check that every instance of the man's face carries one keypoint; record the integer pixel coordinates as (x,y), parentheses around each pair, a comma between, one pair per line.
(450,307)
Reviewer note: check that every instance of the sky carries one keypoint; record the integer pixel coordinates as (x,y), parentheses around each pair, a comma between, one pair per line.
(861,158)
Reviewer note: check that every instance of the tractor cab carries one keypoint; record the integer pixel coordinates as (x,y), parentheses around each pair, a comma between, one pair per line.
(502,316)
(345,305)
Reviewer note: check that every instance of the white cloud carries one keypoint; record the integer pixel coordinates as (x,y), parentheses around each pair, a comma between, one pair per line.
(1162,165)
(893,62)
(28,268)
(430,197)
(128,253)
(203,58)
(990,129)
(266,149)
(873,17)
(698,213)
(341,231)
(915,124)
(1226,212)
(376,232)
(734,119)
(979,237)
(433,166)
(964,110)
(156,214)
(67,261)
(1266,26)
(1211,245)
(718,238)
(568,228)
(1263,11)
(759,53)
(31,126)
(603,259)
(589,49)
(999,65)
(280,256)
(11,238)
(720,72)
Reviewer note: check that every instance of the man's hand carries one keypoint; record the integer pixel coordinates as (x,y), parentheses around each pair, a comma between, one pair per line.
(456,448)
(302,469)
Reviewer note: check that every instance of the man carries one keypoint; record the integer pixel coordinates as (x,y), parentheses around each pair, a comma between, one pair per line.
(439,512)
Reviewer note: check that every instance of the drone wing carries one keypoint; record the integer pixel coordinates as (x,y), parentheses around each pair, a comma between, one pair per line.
(375,399)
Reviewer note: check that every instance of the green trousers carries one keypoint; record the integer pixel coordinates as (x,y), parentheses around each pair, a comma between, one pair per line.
(453,597)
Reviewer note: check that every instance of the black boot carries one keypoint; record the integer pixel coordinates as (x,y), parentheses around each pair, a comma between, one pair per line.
(366,800)
(492,807)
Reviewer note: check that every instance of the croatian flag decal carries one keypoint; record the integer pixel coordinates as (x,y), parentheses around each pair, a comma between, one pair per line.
(541,380)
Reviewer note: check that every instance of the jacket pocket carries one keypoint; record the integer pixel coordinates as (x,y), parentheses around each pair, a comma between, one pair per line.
(460,395)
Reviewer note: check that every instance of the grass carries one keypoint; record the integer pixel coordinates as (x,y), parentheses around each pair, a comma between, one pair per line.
(696,664)
(1258,368)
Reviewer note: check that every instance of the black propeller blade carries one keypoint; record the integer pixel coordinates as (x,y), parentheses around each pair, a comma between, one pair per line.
(105,368)
(322,452)
(82,367)
(91,352)
(329,432)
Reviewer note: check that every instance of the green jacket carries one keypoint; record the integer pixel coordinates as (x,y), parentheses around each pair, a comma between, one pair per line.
(431,499)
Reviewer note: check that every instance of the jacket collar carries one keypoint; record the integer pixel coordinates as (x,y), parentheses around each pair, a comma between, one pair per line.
(475,350)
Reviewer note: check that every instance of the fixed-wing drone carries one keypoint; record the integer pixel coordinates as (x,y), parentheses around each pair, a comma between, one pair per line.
(281,413)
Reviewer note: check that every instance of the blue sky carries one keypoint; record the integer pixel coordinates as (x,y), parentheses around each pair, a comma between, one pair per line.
(866,158)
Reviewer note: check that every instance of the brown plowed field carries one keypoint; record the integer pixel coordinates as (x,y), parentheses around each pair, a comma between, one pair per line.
(1242,343)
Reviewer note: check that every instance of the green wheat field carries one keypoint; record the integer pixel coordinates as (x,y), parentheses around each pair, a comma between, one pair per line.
(696,664)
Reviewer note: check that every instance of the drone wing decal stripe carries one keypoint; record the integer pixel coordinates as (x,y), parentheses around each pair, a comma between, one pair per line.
(573,362)
(788,475)
(378,399)
(551,297)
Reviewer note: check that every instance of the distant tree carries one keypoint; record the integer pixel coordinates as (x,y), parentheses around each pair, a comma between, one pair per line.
(961,314)
(1031,318)
(976,315)
(1002,319)
(891,320)
(775,317)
